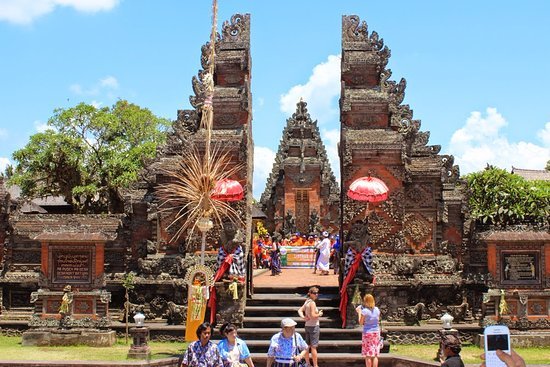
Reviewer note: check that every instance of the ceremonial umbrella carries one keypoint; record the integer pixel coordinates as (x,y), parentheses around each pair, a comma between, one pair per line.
(227,190)
(370,189)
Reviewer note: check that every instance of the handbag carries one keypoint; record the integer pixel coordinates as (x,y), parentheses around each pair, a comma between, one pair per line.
(302,362)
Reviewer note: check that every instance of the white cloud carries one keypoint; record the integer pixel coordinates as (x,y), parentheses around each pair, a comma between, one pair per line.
(41,126)
(263,164)
(109,82)
(105,85)
(544,135)
(26,11)
(3,134)
(4,162)
(96,104)
(331,138)
(480,142)
(321,92)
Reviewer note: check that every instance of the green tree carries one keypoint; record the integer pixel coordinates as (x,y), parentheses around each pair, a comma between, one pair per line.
(500,198)
(89,154)
(548,165)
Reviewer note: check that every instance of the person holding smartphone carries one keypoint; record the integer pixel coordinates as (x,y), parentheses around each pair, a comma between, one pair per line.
(451,351)
(511,360)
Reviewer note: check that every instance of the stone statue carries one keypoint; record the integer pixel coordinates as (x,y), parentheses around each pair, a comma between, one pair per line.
(413,314)
(231,237)
(290,224)
(358,241)
(358,236)
(231,245)
(314,222)
(64,308)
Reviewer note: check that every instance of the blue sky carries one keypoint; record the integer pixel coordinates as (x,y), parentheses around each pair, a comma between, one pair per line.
(477,71)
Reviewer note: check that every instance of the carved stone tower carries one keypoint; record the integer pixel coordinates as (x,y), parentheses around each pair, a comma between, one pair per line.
(422,218)
(301,187)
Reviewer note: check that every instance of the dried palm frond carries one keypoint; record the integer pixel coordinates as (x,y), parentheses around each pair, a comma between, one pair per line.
(188,194)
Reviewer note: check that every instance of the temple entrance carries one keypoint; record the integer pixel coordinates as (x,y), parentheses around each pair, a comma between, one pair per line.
(302,210)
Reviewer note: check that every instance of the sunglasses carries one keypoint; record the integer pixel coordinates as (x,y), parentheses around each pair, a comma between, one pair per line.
(314,292)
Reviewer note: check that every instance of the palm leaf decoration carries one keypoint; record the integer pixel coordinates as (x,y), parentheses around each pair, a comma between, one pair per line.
(188,194)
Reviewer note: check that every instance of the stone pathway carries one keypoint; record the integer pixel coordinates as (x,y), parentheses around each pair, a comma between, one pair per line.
(297,277)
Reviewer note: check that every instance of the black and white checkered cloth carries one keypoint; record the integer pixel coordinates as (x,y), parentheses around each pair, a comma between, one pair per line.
(238,266)
(366,258)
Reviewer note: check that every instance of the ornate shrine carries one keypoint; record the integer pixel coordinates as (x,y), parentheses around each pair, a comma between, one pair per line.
(417,234)
(301,192)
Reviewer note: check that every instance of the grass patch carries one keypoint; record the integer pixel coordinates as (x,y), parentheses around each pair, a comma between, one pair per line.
(13,350)
(470,353)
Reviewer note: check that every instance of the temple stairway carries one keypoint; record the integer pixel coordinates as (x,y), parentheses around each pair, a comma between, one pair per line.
(269,305)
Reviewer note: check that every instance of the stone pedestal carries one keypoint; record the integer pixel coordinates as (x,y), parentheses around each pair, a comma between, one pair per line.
(139,348)
(228,309)
(92,338)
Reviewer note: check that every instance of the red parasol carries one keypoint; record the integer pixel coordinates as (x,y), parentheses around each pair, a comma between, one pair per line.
(369,189)
(227,190)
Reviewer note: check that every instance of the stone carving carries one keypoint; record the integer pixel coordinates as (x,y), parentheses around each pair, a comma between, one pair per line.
(290,224)
(413,314)
(231,237)
(237,29)
(358,236)
(314,222)
(353,29)
(461,312)
(175,314)
(417,230)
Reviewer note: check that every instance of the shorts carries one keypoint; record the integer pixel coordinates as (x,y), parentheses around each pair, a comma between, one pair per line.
(312,335)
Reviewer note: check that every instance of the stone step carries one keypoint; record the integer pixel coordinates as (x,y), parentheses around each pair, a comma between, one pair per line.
(285,311)
(290,299)
(16,315)
(342,346)
(262,321)
(261,333)
(354,360)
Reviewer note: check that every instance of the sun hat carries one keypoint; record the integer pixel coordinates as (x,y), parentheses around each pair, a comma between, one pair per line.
(288,322)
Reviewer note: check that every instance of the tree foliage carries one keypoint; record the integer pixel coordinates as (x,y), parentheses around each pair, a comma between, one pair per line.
(88,154)
(499,198)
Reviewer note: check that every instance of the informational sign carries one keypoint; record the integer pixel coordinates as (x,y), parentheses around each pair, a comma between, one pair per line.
(71,267)
(299,256)
(520,267)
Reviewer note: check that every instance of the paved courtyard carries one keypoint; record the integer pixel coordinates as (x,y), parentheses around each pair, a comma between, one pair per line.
(293,277)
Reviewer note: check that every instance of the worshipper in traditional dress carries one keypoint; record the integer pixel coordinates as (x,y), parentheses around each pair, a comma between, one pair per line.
(369,317)
(310,313)
(233,350)
(203,352)
(323,264)
(311,241)
(276,258)
(336,254)
(287,348)
(451,351)
(256,252)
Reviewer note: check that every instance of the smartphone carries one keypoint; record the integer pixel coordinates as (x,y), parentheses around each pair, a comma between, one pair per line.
(496,337)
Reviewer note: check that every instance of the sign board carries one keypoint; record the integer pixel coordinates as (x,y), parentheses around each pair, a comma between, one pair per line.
(520,267)
(299,256)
